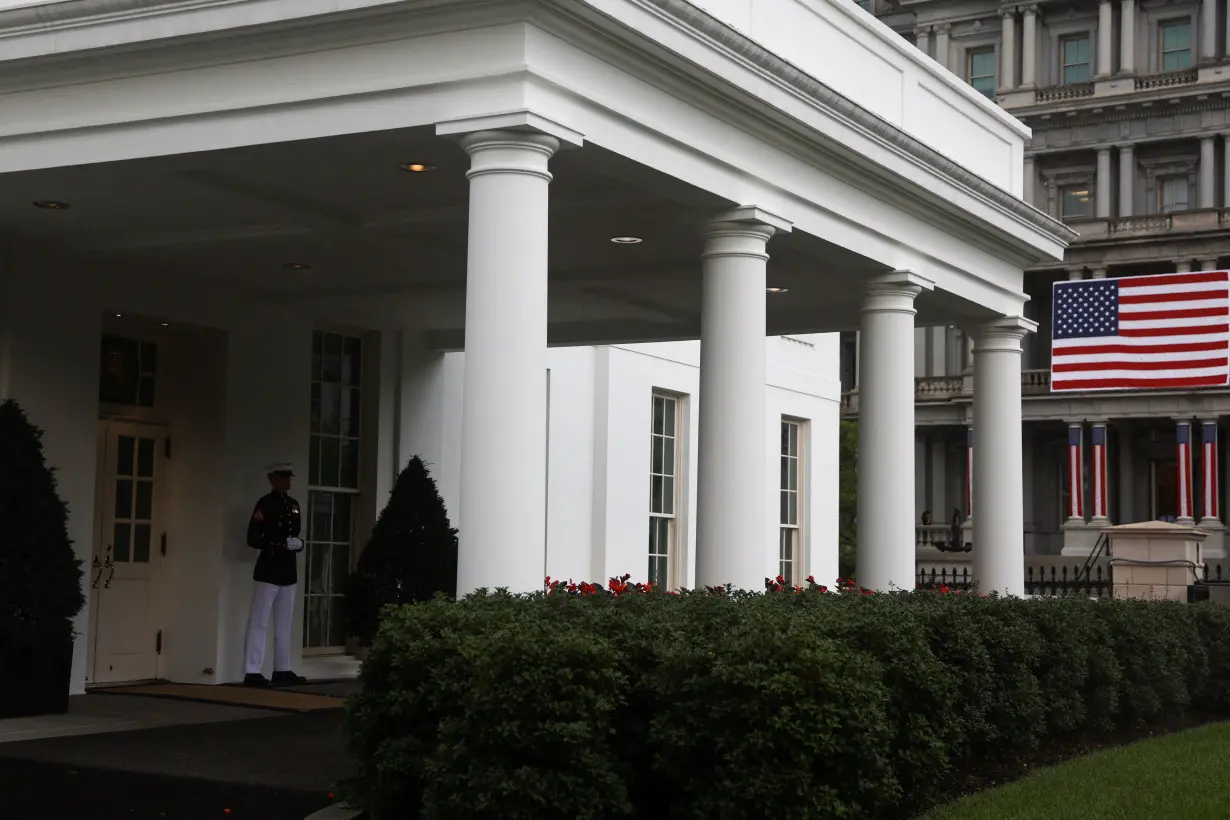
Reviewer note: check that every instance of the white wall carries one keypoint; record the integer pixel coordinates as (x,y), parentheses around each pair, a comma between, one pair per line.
(599,445)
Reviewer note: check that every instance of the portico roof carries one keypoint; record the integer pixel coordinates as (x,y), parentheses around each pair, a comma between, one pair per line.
(206,144)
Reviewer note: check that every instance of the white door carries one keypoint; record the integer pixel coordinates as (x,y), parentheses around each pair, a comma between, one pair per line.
(128,557)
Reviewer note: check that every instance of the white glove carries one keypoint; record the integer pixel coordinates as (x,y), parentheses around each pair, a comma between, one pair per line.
(294,544)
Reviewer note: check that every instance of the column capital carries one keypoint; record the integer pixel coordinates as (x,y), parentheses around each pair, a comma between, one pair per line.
(1007,12)
(895,291)
(920,31)
(522,122)
(1074,422)
(1029,8)
(741,231)
(1003,334)
(746,215)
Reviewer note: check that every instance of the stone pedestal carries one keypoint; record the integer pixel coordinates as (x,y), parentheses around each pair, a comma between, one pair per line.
(1155,561)
(1079,538)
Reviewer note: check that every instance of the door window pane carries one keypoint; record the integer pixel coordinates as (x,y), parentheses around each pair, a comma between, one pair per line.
(145,458)
(140,543)
(121,541)
(124,461)
(123,498)
(145,500)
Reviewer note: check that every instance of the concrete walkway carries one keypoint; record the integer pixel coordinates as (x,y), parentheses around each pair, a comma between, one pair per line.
(133,757)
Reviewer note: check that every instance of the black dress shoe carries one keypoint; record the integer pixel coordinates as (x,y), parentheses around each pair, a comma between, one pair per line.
(257,680)
(288,678)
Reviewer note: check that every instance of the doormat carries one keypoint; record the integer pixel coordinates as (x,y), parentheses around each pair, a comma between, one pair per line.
(276,700)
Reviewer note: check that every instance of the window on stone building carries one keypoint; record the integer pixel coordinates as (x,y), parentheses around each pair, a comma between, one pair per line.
(865,4)
(1075,202)
(1076,53)
(980,70)
(333,485)
(790,534)
(1172,194)
(663,488)
(1176,45)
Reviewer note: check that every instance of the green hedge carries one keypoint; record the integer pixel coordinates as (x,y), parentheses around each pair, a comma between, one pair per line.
(703,705)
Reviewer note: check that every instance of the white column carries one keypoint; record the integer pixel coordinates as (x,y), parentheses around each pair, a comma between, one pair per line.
(886,433)
(1098,273)
(1102,197)
(503,430)
(1127,37)
(1105,32)
(1209,263)
(922,39)
(1127,180)
(1075,273)
(942,33)
(1208,31)
(999,497)
(1205,196)
(1030,181)
(730,488)
(1029,47)
(1183,266)
(1007,52)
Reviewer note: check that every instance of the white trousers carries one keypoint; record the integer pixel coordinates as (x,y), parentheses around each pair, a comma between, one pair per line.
(281,601)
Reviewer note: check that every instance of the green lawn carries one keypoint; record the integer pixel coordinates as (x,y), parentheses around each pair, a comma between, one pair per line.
(1184,775)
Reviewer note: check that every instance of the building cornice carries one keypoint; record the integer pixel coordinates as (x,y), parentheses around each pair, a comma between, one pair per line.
(842,107)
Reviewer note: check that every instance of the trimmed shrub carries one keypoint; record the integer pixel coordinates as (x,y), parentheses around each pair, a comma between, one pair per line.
(591,702)
(40,575)
(411,556)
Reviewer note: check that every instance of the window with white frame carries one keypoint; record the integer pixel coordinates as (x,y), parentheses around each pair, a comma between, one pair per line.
(980,71)
(1176,45)
(333,485)
(1076,54)
(790,534)
(1172,194)
(663,488)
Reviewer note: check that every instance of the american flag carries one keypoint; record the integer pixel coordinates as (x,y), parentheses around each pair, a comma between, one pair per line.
(1166,331)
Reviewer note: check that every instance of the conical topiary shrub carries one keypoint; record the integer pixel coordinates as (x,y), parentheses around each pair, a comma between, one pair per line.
(411,557)
(40,576)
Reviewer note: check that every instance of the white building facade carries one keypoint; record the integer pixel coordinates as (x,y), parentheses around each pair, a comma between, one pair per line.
(283,221)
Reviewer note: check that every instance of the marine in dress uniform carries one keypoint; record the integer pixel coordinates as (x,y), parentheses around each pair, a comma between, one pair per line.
(274,530)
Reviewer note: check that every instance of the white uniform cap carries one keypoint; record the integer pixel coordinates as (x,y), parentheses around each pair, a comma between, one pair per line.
(280,467)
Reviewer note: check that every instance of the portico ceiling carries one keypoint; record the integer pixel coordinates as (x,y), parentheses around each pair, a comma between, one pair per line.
(387,247)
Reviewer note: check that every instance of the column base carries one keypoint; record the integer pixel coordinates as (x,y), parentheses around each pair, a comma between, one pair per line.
(1079,538)
(1214,546)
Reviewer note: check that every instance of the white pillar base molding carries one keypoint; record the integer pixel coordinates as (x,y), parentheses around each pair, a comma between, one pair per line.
(1215,543)
(502,532)
(1080,537)
(731,514)
(999,495)
(886,472)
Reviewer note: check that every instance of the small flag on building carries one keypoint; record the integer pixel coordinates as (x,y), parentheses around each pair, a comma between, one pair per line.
(1142,332)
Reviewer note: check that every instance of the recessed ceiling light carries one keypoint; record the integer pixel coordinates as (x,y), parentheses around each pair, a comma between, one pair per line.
(51,205)
(296,265)
(627,240)
(118,315)
(417,167)
(778,290)
(164,324)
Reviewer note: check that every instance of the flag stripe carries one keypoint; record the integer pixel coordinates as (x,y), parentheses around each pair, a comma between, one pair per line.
(1077,347)
(1112,380)
(1164,364)
(1148,296)
(1171,315)
(1169,331)
(1168,280)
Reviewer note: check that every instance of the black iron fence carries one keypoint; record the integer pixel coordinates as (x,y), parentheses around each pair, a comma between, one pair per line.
(1050,581)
